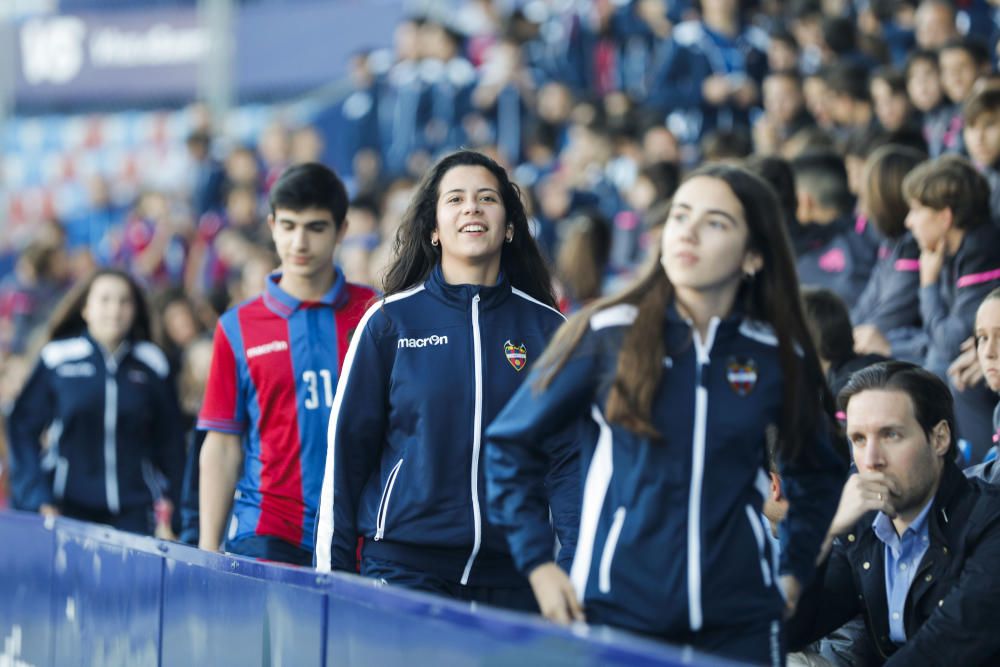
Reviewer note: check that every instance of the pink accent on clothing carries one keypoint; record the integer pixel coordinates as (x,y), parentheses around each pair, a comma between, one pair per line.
(860,223)
(976,278)
(833,261)
(907,265)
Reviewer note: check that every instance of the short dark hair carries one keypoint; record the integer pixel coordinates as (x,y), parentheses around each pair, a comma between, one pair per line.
(778,172)
(951,181)
(850,79)
(823,175)
(920,55)
(978,51)
(932,400)
(829,324)
(310,185)
(893,77)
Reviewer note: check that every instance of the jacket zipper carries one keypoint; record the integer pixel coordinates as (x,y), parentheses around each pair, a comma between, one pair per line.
(111,434)
(758,534)
(383,505)
(604,573)
(477,423)
(702,351)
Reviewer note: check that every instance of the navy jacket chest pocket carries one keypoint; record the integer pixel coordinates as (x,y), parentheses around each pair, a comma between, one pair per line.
(432,365)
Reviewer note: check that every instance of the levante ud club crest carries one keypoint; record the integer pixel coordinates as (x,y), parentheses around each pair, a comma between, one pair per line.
(742,374)
(517,355)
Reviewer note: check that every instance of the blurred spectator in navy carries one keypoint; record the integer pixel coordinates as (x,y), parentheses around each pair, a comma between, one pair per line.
(581,265)
(274,148)
(778,172)
(196,361)
(92,230)
(28,294)
(961,61)
(830,251)
(840,43)
(557,43)
(449,79)
(710,76)
(153,243)
(180,325)
(893,109)
(504,95)
(401,100)
(640,28)
(923,85)
(887,314)
(653,186)
(934,24)
(305,144)
(726,145)
(805,19)
(830,328)
(351,125)
(850,105)
(981,114)
(360,240)
(819,99)
(784,112)
(207,175)
(101,402)
(882,19)
(782,50)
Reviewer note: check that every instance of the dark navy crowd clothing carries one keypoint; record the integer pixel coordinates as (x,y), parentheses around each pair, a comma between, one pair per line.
(274,369)
(948,309)
(428,369)
(672,541)
(693,53)
(111,427)
(890,301)
(838,256)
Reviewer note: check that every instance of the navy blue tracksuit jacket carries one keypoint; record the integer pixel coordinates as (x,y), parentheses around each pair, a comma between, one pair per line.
(112,427)
(672,539)
(426,371)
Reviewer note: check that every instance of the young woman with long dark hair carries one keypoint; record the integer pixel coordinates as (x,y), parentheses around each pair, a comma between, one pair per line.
(102,397)
(687,376)
(468,306)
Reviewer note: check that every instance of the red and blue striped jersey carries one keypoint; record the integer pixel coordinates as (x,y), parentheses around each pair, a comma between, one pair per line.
(273,377)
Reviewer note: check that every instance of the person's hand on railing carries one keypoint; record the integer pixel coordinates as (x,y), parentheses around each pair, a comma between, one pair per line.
(555,595)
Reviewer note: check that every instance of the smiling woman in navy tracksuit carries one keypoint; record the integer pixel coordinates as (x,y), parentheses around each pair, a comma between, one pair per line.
(101,400)
(468,307)
(687,376)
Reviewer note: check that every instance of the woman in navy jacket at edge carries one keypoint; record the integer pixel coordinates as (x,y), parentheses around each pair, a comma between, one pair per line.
(468,306)
(101,396)
(688,375)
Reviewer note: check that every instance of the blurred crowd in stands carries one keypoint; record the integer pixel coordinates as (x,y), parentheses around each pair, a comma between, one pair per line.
(596,108)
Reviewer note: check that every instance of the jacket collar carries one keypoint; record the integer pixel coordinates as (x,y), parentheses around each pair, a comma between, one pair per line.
(952,488)
(460,296)
(283,304)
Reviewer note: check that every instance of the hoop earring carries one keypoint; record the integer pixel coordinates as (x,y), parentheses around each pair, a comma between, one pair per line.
(510,239)
(434,242)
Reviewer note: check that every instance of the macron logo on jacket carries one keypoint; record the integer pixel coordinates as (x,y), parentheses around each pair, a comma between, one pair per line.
(421,342)
(267,348)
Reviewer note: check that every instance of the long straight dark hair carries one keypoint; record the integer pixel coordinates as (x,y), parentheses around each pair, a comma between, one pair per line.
(772,297)
(67,317)
(415,257)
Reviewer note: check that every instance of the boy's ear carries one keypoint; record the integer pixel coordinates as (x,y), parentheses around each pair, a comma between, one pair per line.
(270,221)
(949,217)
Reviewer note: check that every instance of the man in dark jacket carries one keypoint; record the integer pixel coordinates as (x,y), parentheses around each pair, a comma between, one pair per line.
(914,544)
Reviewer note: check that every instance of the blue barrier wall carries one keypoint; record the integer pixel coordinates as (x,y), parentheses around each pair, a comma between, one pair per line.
(78,594)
